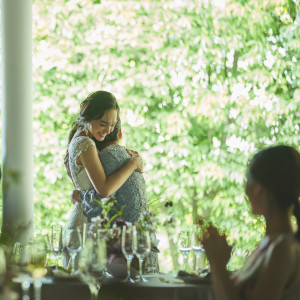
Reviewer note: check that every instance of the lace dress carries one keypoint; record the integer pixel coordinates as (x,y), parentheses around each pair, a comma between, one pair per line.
(81,181)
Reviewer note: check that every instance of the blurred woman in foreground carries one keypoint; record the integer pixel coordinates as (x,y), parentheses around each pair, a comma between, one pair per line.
(273,270)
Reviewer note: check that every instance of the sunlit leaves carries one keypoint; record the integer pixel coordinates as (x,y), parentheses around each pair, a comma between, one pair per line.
(201,88)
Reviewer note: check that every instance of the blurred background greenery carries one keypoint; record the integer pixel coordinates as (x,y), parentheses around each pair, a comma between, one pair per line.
(202,85)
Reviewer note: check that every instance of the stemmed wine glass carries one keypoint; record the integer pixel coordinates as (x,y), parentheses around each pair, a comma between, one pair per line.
(2,267)
(91,263)
(37,252)
(56,243)
(127,248)
(20,260)
(73,243)
(197,246)
(184,245)
(142,248)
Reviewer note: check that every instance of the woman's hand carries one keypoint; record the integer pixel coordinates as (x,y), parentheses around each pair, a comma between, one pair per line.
(217,250)
(132,152)
(137,159)
(138,163)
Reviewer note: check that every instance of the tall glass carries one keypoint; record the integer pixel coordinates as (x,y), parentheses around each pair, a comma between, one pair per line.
(127,248)
(37,252)
(91,263)
(142,248)
(197,247)
(56,242)
(73,243)
(184,245)
(2,267)
(20,260)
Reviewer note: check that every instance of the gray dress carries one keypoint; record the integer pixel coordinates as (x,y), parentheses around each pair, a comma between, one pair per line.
(131,195)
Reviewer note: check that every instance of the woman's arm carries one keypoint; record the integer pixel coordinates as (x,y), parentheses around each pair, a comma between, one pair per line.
(271,281)
(105,186)
(277,270)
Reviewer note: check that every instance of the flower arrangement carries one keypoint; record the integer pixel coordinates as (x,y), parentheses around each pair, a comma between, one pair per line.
(108,225)
(106,218)
(149,222)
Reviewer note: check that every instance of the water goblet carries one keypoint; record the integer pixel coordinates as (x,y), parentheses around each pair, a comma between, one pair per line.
(142,248)
(37,251)
(197,246)
(56,243)
(91,264)
(184,245)
(2,266)
(127,248)
(20,260)
(73,243)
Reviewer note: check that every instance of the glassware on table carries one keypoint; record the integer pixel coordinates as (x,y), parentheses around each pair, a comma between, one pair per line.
(142,248)
(20,260)
(73,244)
(185,245)
(37,252)
(2,267)
(83,230)
(56,242)
(127,248)
(91,263)
(197,247)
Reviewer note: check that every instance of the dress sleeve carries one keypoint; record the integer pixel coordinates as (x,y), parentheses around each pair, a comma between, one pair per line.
(81,144)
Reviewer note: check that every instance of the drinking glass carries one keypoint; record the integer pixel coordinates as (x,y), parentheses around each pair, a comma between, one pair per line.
(56,243)
(184,245)
(2,267)
(37,252)
(91,264)
(73,243)
(142,248)
(20,260)
(83,230)
(197,246)
(127,248)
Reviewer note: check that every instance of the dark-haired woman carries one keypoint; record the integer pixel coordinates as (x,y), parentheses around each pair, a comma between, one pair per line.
(99,113)
(272,272)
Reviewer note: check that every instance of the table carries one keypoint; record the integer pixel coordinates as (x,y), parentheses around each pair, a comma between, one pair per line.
(154,289)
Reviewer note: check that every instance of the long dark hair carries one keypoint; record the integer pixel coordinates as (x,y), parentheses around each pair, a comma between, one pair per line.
(278,169)
(93,108)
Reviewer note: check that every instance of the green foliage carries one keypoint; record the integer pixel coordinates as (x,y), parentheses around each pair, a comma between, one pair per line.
(201,88)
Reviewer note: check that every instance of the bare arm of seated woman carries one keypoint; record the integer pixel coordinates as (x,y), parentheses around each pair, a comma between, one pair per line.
(105,186)
(276,273)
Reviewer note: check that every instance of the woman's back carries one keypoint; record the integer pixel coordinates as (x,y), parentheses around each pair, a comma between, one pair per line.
(246,278)
(79,176)
(78,172)
(132,194)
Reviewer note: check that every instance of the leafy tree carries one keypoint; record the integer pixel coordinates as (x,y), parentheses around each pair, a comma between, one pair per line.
(201,88)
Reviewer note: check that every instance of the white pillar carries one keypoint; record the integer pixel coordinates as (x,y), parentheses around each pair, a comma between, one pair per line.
(17,154)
